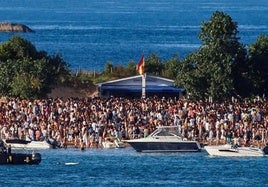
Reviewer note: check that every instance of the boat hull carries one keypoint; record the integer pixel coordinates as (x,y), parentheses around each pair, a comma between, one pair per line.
(108,145)
(140,146)
(113,145)
(228,151)
(23,144)
(165,139)
(20,159)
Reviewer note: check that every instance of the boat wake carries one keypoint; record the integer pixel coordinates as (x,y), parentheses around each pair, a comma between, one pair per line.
(67,163)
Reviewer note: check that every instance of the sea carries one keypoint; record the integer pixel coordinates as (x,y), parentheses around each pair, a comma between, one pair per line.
(90,33)
(126,167)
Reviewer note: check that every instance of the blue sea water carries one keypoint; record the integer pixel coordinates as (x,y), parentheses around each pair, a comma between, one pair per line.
(126,167)
(90,33)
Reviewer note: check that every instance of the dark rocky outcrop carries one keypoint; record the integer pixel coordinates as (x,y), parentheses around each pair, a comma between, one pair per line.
(14,27)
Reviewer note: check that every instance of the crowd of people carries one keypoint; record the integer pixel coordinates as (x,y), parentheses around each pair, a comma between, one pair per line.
(91,120)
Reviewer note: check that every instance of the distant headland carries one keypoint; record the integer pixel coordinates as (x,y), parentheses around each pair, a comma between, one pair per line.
(14,27)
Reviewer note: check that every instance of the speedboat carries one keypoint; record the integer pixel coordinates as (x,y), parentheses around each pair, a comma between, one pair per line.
(112,142)
(7,157)
(229,150)
(165,139)
(28,144)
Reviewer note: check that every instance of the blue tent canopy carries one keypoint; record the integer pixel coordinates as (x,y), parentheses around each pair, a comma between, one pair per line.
(132,87)
(138,89)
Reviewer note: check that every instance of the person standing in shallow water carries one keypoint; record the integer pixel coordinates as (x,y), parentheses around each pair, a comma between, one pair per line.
(248,135)
(9,150)
(82,145)
(9,160)
(228,136)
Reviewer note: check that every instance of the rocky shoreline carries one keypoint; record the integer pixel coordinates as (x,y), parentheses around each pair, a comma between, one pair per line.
(14,27)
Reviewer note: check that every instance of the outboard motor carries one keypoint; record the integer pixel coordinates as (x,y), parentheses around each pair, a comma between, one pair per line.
(52,142)
(265,150)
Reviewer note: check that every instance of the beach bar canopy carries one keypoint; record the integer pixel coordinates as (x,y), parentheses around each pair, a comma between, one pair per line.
(131,87)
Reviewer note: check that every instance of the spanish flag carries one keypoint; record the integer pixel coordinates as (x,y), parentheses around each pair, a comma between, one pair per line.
(140,65)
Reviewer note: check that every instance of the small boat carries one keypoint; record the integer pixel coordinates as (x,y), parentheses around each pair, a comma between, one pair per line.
(7,157)
(28,144)
(229,150)
(112,142)
(165,139)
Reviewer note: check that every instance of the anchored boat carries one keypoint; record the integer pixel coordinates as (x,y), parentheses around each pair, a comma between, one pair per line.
(229,150)
(8,157)
(28,144)
(112,142)
(165,139)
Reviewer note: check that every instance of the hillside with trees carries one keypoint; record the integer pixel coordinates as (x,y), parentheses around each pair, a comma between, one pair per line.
(26,72)
(220,69)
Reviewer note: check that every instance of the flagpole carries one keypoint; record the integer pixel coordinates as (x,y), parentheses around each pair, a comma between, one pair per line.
(143,88)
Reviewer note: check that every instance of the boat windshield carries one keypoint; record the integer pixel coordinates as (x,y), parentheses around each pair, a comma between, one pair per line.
(166,131)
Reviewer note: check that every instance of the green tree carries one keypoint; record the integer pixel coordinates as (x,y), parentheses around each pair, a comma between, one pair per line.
(212,70)
(6,76)
(17,48)
(153,65)
(108,68)
(170,68)
(26,85)
(191,79)
(26,72)
(258,65)
(131,68)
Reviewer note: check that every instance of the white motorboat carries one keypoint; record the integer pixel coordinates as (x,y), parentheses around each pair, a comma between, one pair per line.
(25,144)
(165,139)
(229,150)
(112,142)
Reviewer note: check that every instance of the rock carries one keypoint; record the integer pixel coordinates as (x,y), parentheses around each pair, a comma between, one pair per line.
(14,27)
